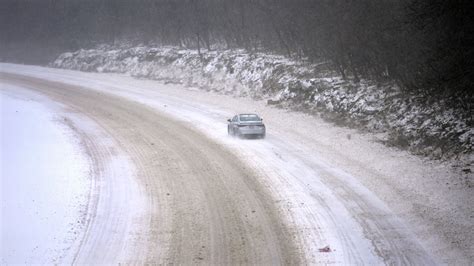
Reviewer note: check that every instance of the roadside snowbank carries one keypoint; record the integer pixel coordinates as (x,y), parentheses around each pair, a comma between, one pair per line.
(45,183)
(427,127)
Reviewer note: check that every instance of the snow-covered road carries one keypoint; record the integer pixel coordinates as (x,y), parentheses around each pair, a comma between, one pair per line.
(210,198)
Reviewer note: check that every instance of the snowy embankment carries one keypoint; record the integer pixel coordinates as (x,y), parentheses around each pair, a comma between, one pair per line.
(45,182)
(434,129)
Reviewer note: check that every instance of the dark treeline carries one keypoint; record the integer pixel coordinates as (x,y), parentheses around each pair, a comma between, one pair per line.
(423,45)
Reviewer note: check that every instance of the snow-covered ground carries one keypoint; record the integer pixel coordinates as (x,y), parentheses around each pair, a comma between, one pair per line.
(59,172)
(44,181)
(336,186)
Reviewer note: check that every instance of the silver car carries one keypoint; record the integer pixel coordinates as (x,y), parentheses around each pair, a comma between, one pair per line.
(245,125)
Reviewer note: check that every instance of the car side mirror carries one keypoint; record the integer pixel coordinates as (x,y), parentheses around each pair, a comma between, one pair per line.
(261,119)
(228,120)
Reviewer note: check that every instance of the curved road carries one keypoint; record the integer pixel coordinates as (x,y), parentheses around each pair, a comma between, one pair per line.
(204,205)
(226,201)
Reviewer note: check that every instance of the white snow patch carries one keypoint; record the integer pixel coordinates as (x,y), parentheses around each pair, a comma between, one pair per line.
(44,183)
(90,209)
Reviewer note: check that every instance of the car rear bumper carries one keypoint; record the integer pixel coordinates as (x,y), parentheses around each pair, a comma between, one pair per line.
(252,130)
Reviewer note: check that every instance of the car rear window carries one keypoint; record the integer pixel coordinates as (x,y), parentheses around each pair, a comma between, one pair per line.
(249,118)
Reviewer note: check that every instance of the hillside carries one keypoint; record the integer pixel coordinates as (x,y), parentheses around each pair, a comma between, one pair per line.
(433,127)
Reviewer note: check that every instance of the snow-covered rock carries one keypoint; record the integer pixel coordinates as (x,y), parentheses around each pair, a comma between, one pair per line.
(409,121)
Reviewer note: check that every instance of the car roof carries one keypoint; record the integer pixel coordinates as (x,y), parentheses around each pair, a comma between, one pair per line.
(248,115)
